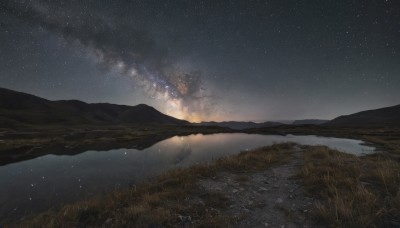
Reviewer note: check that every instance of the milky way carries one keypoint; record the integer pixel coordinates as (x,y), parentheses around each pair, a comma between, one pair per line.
(130,51)
(205,59)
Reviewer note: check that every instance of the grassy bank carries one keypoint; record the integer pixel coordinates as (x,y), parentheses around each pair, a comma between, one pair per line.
(173,198)
(386,137)
(353,191)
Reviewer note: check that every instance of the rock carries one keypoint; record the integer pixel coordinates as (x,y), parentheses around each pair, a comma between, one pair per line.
(235,190)
(185,218)
(108,221)
(263,189)
(279,200)
(395,223)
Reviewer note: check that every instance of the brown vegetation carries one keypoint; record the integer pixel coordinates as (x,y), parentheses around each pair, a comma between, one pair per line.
(353,191)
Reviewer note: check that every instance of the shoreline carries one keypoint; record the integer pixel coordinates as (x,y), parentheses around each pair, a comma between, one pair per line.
(238,189)
(26,144)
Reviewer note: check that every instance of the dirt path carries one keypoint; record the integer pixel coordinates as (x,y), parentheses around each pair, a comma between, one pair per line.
(272,198)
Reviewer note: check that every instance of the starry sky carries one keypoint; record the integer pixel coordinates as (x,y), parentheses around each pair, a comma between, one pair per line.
(207,60)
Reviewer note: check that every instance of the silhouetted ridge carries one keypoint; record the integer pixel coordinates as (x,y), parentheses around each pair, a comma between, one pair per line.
(309,121)
(239,125)
(389,116)
(17,107)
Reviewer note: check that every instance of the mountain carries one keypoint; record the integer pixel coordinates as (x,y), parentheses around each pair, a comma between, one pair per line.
(309,121)
(21,108)
(389,116)
(238,125)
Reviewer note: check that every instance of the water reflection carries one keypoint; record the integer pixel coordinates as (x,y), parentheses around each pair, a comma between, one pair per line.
(47,181)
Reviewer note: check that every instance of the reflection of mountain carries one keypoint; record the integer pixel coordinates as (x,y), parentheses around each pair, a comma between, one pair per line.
(24,109)
(27,153)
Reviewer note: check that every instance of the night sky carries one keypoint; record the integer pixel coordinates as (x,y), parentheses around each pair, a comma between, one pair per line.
(207,60)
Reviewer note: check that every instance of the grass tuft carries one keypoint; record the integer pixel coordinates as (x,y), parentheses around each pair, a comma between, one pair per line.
(353,191)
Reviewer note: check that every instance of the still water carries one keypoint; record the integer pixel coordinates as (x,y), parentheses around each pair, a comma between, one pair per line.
(35,185)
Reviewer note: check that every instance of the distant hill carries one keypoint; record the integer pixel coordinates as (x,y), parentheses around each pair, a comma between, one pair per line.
(309,121)
(389,116)
(21,108)
(238,125)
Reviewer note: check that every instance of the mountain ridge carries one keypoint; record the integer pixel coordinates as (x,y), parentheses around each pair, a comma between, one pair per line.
(22,108)
(18,108)
(309,121)
(239,125)
(386,116)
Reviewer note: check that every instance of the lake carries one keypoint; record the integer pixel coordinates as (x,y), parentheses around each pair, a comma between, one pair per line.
(38,184)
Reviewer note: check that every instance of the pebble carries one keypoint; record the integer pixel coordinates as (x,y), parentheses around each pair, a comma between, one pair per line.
(109,221)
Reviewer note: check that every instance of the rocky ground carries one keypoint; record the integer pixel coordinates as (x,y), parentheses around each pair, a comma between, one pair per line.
(270,198)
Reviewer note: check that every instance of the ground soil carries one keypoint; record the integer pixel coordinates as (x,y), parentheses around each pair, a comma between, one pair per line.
(270,198)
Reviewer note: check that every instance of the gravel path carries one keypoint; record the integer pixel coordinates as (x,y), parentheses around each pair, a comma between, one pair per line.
(272,198)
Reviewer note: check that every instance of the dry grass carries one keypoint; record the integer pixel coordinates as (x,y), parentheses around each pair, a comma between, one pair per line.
(353,191)
(257,159)
(172,199)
